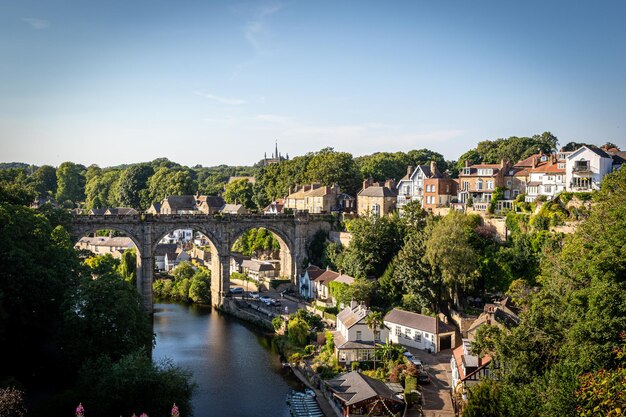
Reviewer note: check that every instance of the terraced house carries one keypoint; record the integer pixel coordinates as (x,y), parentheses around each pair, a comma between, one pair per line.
(477,183)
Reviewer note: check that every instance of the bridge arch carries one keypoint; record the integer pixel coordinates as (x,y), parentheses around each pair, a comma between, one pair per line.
(292,231)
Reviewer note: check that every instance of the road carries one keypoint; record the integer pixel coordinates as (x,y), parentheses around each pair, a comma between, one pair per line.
(436,395)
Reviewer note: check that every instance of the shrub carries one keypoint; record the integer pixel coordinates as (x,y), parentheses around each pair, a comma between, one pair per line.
(308,349)
(277,322)
(354,366)
(132,384)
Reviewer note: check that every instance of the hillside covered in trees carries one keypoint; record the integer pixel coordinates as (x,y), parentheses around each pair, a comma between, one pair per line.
(139,185)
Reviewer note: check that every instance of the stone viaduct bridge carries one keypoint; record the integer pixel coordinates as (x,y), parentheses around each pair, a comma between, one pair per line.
(292,230)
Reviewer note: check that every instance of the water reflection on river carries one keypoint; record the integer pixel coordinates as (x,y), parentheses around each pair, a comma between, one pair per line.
(237,373)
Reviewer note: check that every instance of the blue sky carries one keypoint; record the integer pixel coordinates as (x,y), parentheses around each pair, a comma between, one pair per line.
(211,82)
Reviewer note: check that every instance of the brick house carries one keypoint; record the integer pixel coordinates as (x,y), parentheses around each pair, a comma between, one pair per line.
(478,183)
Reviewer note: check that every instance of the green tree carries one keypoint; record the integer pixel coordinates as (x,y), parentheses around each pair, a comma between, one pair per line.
(70,182)
(415,274)
(200,288)
(239,192)
(329,167)
(298,331)
(448,251)
(483,400)
(105,316)
(375,241)
(108,387)
(184,270)
(374,322)
(131,184)
(44,181)
(128,266)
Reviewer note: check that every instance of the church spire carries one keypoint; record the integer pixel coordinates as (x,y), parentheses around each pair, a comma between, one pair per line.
(277,157)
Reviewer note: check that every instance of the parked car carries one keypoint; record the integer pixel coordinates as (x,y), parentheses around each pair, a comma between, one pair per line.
(273,302)
(236,290)
(265,299)
(413,360)
(253,294)
(423,378)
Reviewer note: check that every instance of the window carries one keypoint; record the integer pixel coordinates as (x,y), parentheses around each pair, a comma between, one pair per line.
(359,335)
(432,188)
(490,185)
(377,335)
(376,209)
(398,331)
(547,188)
(465,185)
(418,337)
(479,184)
(484,171)
(466,171)
(408,333)
(515,193)
(509,183)
(507,194)
(561,165)
(407,190)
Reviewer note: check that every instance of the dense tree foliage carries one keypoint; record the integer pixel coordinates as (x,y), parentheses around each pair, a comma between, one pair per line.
(573,322)
(258,242)
(512,149)
(240,192)
(57,313)
(44,181)
(70,182)
(132,184)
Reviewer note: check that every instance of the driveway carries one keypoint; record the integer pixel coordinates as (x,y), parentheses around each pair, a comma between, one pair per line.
(436,395)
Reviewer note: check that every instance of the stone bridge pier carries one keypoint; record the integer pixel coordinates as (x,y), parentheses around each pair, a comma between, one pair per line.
(292,231)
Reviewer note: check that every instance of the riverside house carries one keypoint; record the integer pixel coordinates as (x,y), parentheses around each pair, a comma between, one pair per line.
(354,340)
(419,331)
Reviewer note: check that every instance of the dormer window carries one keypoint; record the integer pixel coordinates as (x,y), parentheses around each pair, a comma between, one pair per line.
(485,171)
(544,158)
(466,171)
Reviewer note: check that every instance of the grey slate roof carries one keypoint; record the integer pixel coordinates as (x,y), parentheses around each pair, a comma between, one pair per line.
(418,321)
(354,387)
(121,211)
(163,248)
(351,316)
(378,191)
(181,202)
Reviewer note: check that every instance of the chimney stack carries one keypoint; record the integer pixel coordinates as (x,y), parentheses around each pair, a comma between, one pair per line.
(467,164)
(409,170)
(366,184)
(389,183)
(534,162)
(433,169)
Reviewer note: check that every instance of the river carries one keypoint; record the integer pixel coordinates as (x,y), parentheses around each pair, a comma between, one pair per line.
(237,372)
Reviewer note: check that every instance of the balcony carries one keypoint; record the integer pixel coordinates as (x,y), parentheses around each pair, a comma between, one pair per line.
(581,169)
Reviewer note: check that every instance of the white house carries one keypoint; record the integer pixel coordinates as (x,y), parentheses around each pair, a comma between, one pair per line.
(419,331)
(546,177)
(467,370)
(354,340)
(585,168)
(411,186)
(307,281)
(172,259)
(258,270)
(178,236)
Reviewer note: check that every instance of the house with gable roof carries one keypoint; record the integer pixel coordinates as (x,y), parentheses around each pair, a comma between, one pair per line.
(376,199)
(427,185)
(478,183)
(354,340)
(356,394)
(585,167)
(307,281)
(467,370)
(419,331)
